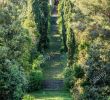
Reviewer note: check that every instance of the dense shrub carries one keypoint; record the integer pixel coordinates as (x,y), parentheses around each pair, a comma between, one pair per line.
(35,80)
(73,73)
(38,62)
(89,21)
(14,55)
(78,71)
(12,81)
(36,75)
(69,79)
(18,40)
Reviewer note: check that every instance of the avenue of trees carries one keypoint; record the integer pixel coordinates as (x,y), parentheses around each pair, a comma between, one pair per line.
(84,27)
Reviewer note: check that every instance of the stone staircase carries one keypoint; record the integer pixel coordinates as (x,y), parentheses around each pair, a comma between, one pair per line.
(53,85)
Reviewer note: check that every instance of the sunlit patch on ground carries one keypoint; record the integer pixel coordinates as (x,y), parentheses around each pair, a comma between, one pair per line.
(48,95)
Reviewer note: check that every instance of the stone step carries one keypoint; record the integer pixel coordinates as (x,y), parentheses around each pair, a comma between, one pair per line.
(53,20)
(53,84)
(54,29)
(54,26)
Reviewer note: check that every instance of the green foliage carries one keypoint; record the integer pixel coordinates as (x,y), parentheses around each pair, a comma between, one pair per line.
(18,40)
(28,97)
(35,80)
(12,81)
(69,79)
(37,62)
(90,25)
(65,27)
(62,26)
(78,71)
(72,74)
(35,76)
(14,42)
(14,36)
(40,8)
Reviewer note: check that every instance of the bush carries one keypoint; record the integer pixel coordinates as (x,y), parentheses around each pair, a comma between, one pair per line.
(35,80)
(28,97)
(12,81)
(78,71)
(37,62)
(71,74)
(69,79)
(96,93)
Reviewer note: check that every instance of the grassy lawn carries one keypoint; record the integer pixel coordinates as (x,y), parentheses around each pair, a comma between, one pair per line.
(48,95)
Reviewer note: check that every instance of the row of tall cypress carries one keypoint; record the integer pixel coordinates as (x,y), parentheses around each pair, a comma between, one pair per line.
(23,34)
(85,30)
(41,11)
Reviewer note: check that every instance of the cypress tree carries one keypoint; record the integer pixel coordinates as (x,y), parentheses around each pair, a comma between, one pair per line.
(40,8)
